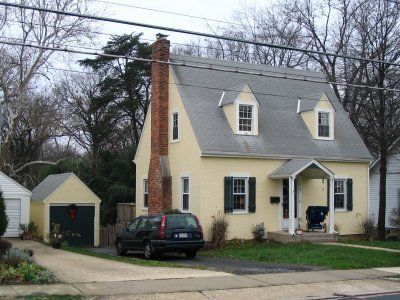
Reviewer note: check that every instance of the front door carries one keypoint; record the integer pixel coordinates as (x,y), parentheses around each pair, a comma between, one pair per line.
(284,211)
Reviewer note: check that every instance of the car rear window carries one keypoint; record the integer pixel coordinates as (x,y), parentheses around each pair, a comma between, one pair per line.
(181,222)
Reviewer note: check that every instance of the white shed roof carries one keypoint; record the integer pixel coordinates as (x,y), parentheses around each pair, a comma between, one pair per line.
(10,187)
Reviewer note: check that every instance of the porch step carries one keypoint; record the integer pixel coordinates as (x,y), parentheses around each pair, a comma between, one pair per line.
(314,237)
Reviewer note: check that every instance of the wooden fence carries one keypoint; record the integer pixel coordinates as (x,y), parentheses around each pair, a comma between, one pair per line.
(108,234)
(125,214)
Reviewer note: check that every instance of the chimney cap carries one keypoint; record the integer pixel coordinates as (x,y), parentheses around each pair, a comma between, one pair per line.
(160,36)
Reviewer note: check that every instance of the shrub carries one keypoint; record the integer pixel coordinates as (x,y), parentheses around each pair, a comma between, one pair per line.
(219,230)
(8,274)
(3,216)
(5,245)
(15,253)
(258,232)
(35,273)
(336,227)
(367,225)
(394,218)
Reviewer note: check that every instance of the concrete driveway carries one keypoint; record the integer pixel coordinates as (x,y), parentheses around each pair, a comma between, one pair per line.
(72,267)
(233,266)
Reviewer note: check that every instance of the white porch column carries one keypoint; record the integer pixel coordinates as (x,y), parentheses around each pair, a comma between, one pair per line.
(331,205)
(291,206)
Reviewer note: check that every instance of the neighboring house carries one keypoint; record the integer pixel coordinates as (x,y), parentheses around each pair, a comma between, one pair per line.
(17,204)
(392,188)
(257,148)
(64,199)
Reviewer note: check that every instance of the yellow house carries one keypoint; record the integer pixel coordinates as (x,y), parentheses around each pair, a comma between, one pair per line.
(65,200)
(257,143)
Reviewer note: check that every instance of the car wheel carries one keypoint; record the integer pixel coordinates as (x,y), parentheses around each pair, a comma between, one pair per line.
(148,250)
(191,253)
(120,249)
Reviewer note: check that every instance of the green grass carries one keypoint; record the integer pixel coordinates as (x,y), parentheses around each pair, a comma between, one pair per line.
(332,257)
(382,244)
(128,259)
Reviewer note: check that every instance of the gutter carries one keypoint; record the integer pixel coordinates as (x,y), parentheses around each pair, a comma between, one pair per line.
(278,156)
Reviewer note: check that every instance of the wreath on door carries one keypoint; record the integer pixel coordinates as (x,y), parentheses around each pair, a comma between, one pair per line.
(72,211)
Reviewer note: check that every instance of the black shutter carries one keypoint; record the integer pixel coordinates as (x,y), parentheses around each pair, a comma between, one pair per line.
(328,188)
(228,188)
(349,194)
(252,194)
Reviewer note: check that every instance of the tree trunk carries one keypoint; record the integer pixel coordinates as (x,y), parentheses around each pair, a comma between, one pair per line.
(382,195)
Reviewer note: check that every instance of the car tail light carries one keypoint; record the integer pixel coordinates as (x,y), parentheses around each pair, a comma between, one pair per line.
(201,227)
(162,226)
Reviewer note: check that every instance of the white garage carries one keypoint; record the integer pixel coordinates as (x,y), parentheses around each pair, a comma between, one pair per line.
(17,202)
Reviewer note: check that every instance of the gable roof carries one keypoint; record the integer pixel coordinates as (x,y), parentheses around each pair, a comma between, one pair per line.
(295,166)
(10,186)
(309,103)
(49,185)
(282,132)
(230,96)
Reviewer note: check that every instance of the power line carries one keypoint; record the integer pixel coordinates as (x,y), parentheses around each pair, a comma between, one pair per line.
(196,33)
(210,66)
(168,12)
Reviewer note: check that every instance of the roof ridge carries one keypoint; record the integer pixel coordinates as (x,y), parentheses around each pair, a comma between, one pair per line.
(269,68)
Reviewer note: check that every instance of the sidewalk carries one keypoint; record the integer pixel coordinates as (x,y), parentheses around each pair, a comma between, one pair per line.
(198,284)
(363,247)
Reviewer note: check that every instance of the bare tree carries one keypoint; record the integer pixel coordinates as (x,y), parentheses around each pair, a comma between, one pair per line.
(23,67)
(91,117)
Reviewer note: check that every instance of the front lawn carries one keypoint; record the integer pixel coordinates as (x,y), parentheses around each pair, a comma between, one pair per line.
(381,244)
(333,257)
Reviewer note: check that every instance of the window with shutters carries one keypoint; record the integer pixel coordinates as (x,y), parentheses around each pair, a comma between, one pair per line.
(185,190)
(240,194)
(340,194)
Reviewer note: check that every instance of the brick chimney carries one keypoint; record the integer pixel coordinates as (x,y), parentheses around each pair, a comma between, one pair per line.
(160,195)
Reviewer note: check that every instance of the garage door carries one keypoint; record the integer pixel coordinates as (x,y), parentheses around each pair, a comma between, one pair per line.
(79,228)
(13,211)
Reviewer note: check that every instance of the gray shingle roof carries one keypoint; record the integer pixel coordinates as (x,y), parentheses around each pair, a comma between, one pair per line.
(290,167)
(49,185)
(282,132)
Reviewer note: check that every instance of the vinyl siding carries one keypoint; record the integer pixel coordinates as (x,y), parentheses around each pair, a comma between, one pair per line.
(392,186)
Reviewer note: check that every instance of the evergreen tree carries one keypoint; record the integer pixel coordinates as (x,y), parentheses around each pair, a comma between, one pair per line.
(3,216)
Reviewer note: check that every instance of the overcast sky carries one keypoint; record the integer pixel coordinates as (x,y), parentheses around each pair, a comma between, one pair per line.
(214,9)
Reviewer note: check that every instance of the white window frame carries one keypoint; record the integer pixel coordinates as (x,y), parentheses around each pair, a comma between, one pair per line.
(252,118)
(344,179)
(145,179)
(173,113)
(245,176)
(331,124)
(182,177)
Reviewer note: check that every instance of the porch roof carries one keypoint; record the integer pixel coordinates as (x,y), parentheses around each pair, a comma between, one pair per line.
(308,167)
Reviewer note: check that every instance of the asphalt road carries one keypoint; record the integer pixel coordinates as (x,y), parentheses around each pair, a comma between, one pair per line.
(233,266)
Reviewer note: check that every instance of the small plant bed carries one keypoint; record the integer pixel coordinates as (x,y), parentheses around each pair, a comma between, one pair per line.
(127,259)
(333,257)
(390,244)
(19,267)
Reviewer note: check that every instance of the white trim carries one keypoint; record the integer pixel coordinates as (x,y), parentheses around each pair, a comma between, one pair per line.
(344,179)
(331,124)
(246,203)
(145,208)
(77,204)
(186,176)
(171,130)
(254,114)
(240,174)
(312,161)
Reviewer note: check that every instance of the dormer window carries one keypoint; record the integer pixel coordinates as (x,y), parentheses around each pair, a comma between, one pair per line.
(245,118)
(323,124)
(324,120)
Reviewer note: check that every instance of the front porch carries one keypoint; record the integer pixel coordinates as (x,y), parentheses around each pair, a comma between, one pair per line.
(298,181)
(312,236)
